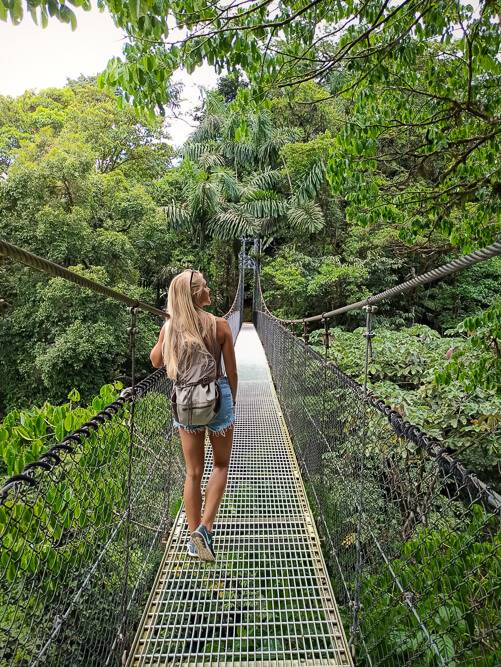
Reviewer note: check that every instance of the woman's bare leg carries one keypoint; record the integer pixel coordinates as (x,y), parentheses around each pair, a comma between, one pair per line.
(193,450)
(221,450)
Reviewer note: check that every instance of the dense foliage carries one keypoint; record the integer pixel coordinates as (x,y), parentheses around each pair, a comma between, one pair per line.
(419,143)
(83,184)
(459,612)
(235,181)
(418,147)
(359,141)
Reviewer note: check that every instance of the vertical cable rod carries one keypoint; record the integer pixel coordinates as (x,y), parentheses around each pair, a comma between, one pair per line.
(132,331)
(368,335)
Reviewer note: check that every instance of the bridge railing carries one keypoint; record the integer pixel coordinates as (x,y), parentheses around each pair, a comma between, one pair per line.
(82,527)
(411,537)
(81,531)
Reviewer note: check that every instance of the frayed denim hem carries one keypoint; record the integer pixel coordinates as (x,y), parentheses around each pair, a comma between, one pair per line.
(191,429)
(221,431)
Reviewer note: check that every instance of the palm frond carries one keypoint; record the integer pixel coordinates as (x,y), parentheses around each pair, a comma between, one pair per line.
(194,149)
(311,182)
(240,151)
(232,223)
(214,105)
(204,198)
(230,186)
(208,130)
(263,180)
(305,216)
(268,150)
(261,126)
(207,154)
(266,242)
(213,121)
(268,226)
(264,204)
(179,215)
(211,160)
(233,120)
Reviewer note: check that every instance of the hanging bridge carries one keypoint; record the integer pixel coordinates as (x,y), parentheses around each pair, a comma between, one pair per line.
(346,535)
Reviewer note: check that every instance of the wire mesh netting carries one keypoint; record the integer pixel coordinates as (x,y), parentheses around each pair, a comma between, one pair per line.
(80,544)
(83,529)
(267,599)
(411,538)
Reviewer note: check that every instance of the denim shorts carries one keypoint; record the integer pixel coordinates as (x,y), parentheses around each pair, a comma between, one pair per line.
(224,419)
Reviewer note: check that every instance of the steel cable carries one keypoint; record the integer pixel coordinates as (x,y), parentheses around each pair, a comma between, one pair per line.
(430,276)
(53,269)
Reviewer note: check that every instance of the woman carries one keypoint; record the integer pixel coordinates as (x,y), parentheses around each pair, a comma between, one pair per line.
(189,327)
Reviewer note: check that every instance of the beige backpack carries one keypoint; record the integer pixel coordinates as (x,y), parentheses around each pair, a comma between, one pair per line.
(196,397)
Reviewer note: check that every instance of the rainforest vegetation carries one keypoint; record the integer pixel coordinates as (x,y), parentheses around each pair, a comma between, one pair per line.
(90,187)
(359,141)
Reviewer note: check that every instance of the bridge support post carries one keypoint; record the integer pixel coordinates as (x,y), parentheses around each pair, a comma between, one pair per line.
(256,294)
(368,335)
(132,331)
(324,374)
(306,334)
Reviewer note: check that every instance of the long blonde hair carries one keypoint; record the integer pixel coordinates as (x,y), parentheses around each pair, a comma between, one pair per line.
(188,324)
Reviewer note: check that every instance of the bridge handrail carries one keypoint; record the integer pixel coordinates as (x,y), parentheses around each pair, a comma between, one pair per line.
(137,455)
(440,272)
(405,524)
(408,430)
(56,270)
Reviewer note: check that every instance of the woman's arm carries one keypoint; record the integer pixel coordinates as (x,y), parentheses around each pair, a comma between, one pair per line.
(230,363)
(156,354)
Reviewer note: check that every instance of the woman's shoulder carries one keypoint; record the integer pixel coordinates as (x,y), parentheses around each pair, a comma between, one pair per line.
(222,328)
(221,324)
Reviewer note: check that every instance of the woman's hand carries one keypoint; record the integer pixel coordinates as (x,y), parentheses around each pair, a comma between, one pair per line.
(156,354)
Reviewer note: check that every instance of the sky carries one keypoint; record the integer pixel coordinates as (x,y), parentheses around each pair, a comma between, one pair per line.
(32,57)
(36,58)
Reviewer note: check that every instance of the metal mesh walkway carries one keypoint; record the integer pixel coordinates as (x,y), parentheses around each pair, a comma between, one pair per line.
(267,600)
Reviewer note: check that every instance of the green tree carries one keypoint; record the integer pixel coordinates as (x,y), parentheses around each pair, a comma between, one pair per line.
(234,183)
(416,81)
(78,177)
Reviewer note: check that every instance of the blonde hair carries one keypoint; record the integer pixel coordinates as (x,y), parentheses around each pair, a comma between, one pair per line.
(188,324)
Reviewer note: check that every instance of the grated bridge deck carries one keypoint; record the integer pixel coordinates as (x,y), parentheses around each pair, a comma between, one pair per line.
(267,600)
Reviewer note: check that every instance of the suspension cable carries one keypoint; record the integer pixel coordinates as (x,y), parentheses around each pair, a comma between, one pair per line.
(428,277)
(53,269)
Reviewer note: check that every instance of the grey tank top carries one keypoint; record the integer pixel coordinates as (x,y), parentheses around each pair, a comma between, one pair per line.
(214,348)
